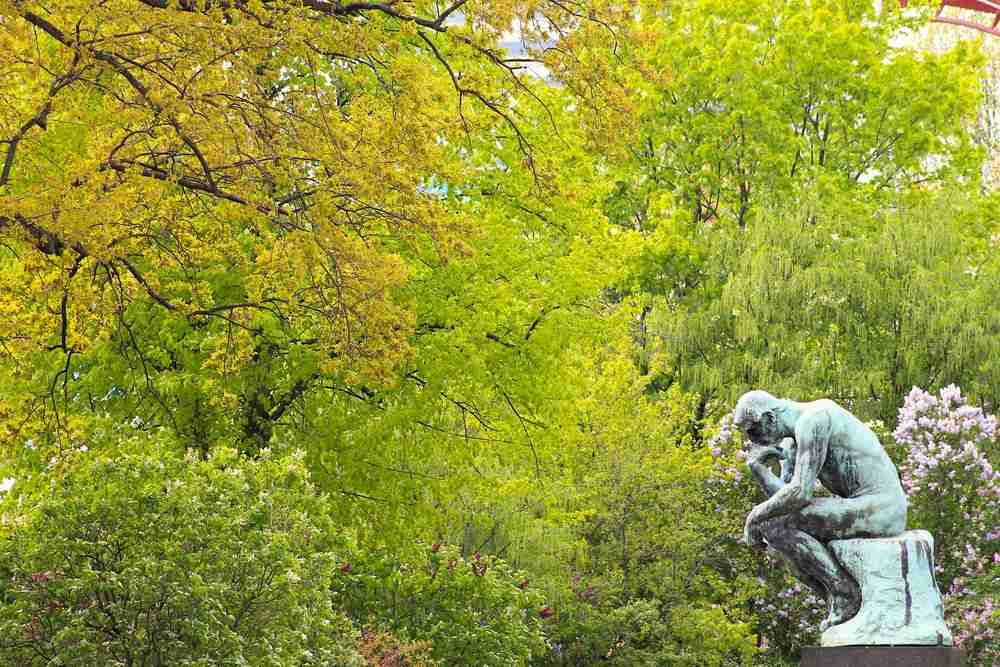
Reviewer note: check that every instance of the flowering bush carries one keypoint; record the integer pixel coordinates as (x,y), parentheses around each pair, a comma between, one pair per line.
(153,558)
(788,613)
(954,492)
(953,488)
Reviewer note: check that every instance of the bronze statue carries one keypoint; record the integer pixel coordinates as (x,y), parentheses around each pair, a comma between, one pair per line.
(818,441)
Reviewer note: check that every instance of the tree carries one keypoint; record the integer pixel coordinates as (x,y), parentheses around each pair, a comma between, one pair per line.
(739,107)
(778,164)
(493,314)
(238,191)
(653,584)
(834,310)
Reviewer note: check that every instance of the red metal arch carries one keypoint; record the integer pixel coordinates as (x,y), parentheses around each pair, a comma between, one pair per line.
(988,8)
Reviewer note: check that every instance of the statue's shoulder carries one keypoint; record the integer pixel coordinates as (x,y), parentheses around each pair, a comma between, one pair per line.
(817,418)
(823,407)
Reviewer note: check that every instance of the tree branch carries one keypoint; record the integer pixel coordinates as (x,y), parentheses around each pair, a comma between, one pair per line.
(525,146)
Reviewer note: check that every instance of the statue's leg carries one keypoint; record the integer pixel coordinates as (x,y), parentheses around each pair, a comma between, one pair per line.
(814,584)
(816,567)
(835,518)
(801,538)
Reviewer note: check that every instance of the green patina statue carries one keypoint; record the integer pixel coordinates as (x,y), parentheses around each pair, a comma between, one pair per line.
(820,441)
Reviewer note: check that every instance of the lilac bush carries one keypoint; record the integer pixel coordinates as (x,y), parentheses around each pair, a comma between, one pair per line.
(726,450)
(951,483)
(954,491)
(788,613)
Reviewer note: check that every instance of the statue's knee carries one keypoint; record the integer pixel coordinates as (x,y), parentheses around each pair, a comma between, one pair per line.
(898,520)
(889,517)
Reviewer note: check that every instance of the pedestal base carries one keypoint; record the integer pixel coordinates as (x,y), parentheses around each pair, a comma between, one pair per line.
(883,656)
(900,601)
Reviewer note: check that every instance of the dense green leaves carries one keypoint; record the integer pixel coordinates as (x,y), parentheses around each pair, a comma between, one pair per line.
(837,310)
(739,106)
(472,611)
(171,560)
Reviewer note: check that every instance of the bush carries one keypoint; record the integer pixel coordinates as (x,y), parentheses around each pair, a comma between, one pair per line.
(475,611)
(160,559)
(954,490)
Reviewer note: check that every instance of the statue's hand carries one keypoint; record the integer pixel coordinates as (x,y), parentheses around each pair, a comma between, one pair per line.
(761,455)
(753,536)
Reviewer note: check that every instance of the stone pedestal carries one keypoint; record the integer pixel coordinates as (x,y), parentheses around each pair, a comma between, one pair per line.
(900,601)
(883,656)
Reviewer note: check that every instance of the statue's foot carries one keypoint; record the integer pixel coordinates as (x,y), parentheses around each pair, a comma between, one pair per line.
(827,622)
(843,607)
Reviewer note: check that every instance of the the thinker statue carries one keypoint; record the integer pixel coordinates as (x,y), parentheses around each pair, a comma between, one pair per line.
(818,441)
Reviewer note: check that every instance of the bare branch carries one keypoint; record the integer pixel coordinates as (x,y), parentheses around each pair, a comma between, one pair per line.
(524,428)
(522,141)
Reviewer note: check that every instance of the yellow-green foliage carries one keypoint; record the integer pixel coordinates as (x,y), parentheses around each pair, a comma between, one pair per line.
(171,560)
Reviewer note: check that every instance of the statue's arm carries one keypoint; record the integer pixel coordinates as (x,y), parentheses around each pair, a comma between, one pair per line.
(813,439)
(788,463)
(766,479)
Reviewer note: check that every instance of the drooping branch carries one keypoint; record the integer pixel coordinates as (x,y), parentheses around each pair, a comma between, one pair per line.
(463,91)
(39,120)
(50,243)
(524,421)
(63,343)
(187,182)
(46,241)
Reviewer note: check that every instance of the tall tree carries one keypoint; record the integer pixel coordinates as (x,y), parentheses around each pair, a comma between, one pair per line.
(208,207)
(736,106)
(773,153)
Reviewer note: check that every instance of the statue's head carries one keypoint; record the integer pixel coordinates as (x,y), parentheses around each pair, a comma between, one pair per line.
(755,415)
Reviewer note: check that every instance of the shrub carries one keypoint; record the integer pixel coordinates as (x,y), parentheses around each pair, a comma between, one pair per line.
(954,492)
(161,559)
(475,611)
